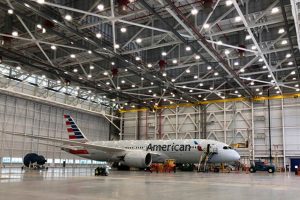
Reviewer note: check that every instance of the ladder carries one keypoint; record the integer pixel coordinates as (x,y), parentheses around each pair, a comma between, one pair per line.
(204,158)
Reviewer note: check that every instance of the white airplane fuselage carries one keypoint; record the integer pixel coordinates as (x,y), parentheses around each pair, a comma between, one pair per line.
(182,150)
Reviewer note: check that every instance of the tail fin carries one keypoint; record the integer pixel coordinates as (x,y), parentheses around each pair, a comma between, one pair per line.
(75,134)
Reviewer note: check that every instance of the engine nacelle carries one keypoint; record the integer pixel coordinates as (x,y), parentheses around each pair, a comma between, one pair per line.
(138,159)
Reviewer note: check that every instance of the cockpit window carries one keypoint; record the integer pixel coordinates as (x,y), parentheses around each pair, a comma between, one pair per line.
(227,147)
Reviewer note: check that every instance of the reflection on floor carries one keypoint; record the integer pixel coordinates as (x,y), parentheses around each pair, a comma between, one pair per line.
(80,183)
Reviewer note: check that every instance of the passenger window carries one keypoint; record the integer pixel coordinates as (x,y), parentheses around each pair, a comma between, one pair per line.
(225,147)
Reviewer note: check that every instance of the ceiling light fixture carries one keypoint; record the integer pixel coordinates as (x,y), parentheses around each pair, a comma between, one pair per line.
(275,10)
(208,67)
(281,30)
(248,37)
(68,17)
(149,65)
(187,70)
(10,11)
(98,35)
(73,56)
(123,30)
(227,52)
(15,33)
(117,46)
(206,26)
(283,42)
(100,7)
(194,11)
(53,47)
(174,61)
(228,3)
(163,53)
(188,48)
(238,19)
(197,57)
(138,40)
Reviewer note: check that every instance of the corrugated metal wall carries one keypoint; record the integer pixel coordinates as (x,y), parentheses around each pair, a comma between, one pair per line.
(25,116)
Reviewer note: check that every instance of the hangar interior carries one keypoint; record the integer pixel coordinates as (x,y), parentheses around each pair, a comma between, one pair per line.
(225,70)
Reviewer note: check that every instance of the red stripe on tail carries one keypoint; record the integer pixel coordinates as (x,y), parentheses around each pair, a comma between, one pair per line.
(68,123)
(72,137)
(70,130)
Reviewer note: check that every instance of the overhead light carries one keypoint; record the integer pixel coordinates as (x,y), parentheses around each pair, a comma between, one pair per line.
(40,1)
(89,52)
(205,99)
(272,81)
(199,95)
(149,65)
(242,70)
(197,57)
(73,56)
(39,26)
(28,6)
(290,63)
(219,42)
(264,67)
(283,42)
(211,88)
(173,80)
(138,40)
(194,11)
(227,52)
(123,30)
(18,68)
(248,37)
(107,83)
(100,7)
(53,47)
(118,88)
(293,72)
(216,73)
(137,58)
(236,63)
(98,35)
(163,53)
(238,19)
(288,55)
(10,11)
(294,79)
(260,60)
(276,88)
(260,93)
(174,61)
(75,70)
(201,84)
(44,30)
(275,10)
(269,75)
(228,2)
(15,33)
(92,67)
(154,95)
(68,17)
(296,85)
(253,47)
(89,76)
(132,85)
(257,89)
(191,91)
(150,91)
(281,30)
(43,76)
(236,92)
(195,77)
(184,86)
(187,48)
(117,46)
(208,67)
(152,83)
(252,83)
(80,78)
(142,78)
(298,90)
(164,74)
(105,73)
(113,63)
(187,70)
(206,26)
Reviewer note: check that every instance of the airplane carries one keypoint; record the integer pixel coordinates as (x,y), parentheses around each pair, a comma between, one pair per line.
(142,153)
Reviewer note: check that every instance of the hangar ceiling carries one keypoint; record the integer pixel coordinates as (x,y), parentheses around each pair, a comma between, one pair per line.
(130,53)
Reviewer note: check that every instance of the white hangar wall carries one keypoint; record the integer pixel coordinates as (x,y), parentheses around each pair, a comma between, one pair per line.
(229,122)
(34,118)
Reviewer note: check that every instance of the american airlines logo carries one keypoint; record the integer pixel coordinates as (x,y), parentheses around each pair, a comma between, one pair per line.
(169,147)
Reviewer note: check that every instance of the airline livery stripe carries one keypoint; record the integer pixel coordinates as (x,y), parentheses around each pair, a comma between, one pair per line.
(70,130)
(77,133)
(73,126)
(75,129)
(70,123)
(72,137)
(66,116)
(81,151)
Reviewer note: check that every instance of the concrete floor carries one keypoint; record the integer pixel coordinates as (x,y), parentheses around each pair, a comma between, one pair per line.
(56,184)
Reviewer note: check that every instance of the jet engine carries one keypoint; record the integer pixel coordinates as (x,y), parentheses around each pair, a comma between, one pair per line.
(138,159)
(32,158)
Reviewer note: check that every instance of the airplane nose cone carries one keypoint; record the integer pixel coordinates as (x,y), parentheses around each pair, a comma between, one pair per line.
(237,156)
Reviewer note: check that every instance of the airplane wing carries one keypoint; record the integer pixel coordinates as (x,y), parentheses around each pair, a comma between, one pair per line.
(65,141)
